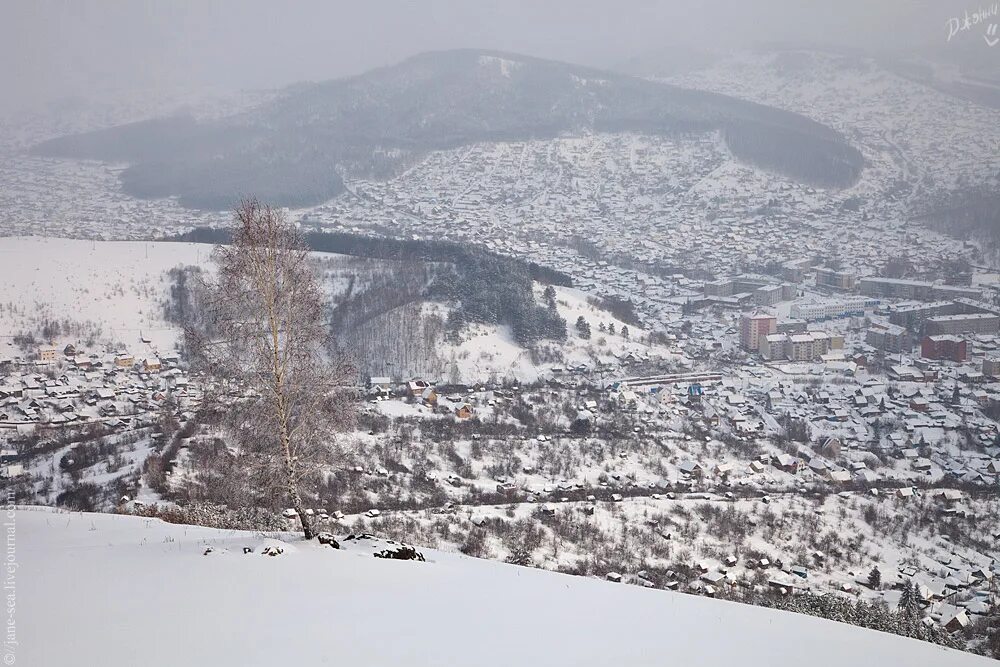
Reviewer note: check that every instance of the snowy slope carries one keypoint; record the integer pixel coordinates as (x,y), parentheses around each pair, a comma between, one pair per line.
(117,286)
(487,351)
(116,290)
(121,591)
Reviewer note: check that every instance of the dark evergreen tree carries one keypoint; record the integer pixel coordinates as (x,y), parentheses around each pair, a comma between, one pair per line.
(550,296)
(909,601)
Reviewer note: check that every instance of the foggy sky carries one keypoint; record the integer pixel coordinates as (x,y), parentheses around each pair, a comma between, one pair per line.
(54,49)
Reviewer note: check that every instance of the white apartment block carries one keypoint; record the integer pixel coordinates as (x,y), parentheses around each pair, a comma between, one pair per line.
(833,308)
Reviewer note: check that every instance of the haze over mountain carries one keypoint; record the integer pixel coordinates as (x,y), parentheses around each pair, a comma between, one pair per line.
(293,150)
(60,50)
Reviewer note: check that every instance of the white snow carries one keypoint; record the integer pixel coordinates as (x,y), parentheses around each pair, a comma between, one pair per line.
(115,590)
(117,286)
(505,65)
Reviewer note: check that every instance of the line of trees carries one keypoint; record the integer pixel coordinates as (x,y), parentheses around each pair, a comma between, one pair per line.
(483,286)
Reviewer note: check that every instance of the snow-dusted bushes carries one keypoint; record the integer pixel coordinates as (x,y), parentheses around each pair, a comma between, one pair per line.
(874,616)
(214,516)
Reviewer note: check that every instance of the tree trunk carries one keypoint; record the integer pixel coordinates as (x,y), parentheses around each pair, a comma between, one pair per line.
(290,472)
(293,494)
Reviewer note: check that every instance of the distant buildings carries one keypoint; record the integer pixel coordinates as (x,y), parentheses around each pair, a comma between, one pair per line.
(913,316)
(974,323)
(757,289)
(719,288)
(790,326)
(794,270)
(755,328)
(804,346)
(889,338)
(958,316)
(915,289)
(948,348)
(771,294)
(838,280)
(833,308)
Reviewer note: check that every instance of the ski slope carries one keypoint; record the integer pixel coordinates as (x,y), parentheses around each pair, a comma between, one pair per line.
(121,591)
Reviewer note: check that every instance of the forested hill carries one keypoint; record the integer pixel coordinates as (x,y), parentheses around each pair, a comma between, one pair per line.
(290,150)
(356,245)
(481,285)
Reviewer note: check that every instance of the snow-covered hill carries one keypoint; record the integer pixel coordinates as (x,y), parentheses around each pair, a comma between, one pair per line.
(116,287)
(115,591)
(113,292)
(909,133)
(375,121)
(490,351)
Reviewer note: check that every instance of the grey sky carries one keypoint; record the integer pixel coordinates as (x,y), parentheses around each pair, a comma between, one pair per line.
(58,48)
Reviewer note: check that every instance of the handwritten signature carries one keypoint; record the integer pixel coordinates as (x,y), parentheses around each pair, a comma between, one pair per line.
(982,16)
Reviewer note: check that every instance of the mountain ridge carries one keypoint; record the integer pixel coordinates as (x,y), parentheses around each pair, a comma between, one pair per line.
(292,150)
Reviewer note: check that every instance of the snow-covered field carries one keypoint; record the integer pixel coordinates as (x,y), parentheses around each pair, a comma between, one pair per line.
(114,591)
(118,287)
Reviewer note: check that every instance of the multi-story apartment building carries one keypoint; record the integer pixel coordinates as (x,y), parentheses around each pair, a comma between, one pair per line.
(773,346)
(807,346)
(913,316)
(760,290)
(794,270)
(800,346)
(950,348)
(768,295)
(753,329)
(722,287)
(790,326)
(973,323)
(838,280)
(888,337)
(897,288)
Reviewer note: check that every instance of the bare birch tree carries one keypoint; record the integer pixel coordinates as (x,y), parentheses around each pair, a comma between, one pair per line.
(270,346)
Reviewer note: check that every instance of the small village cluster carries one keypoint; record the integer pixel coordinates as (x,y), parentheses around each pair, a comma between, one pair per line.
(56,390)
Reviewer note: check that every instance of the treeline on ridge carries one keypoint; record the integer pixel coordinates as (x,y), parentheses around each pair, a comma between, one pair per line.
(483,287)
